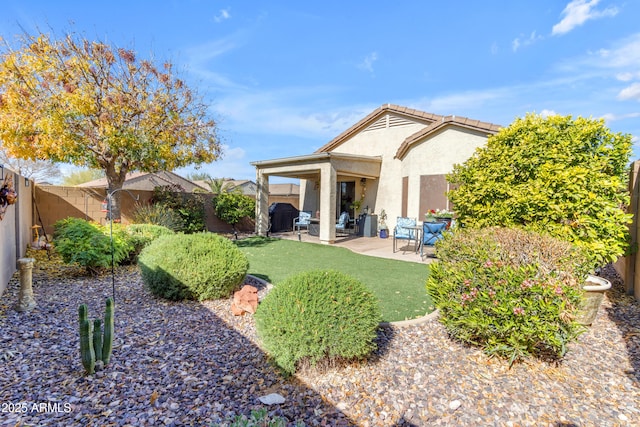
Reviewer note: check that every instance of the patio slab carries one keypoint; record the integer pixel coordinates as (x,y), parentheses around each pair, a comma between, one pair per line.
(372,246)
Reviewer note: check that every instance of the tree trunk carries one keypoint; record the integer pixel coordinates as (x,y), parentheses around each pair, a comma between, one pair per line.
(114,195)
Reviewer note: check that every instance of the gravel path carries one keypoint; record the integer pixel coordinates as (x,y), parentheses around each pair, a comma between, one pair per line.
(195,364)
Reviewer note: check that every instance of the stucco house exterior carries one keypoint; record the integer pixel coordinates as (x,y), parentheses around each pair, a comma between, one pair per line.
(395,159)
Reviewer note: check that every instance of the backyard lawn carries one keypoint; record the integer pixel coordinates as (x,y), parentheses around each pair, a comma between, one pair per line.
(399,285)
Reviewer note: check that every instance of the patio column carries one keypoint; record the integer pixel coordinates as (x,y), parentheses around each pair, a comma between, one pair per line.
(328,182)
(262,203)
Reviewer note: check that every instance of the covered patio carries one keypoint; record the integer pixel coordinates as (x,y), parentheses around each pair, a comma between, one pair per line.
(324,170)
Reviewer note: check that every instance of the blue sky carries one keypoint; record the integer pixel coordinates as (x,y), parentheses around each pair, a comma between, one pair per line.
(284,78)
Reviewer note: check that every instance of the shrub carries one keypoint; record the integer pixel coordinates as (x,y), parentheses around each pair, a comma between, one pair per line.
(514,293)
(192,266)
(140,235)
(564,177)
(188,207)
(157,214)
(232,207)
(318,316)
(88,244)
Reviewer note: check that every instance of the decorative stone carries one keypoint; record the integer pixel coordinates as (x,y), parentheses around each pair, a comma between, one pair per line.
(26,301)
(272,399)
(245,301)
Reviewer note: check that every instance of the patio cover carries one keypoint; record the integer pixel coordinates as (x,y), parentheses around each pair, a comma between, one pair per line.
(322,167)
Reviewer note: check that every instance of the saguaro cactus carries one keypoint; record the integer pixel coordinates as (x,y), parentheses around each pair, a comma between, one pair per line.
(107,342)
(86,344)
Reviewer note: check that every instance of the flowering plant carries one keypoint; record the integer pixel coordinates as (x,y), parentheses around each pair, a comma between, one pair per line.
(511,292)
(432,214)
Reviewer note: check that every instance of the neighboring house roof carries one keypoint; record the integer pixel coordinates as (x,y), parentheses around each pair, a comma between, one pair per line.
(147,181)
(434,122)
(248,187)
(284,189)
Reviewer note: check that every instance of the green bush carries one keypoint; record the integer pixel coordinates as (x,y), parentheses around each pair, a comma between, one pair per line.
(157,214)
(318,316)
(514,293)
(192,266)
(88,244)
(188,207)
(140,235)
(555,175)
(232,207)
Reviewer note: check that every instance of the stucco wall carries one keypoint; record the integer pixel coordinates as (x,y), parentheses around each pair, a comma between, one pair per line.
(436,156)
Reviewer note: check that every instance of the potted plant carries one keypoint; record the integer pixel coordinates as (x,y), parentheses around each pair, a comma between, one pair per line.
(356,205)
(383,230)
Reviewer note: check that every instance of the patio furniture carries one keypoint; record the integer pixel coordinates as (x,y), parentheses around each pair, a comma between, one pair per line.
(405,229)
(431,233)
(302,221)
(343,222)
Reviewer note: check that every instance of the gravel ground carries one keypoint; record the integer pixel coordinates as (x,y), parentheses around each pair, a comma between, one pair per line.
(188,363)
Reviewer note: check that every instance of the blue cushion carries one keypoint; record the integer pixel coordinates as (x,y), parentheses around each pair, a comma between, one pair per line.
(432,232)
(400,232)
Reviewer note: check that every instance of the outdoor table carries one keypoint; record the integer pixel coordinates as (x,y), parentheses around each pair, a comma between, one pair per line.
(418,229)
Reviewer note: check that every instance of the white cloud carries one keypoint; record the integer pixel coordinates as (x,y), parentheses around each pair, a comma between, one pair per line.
(625,77)
(494,48)
(527,41)
(630,92)
(367,63)
(577,12)
(222,15)
(548,113)
(612,117)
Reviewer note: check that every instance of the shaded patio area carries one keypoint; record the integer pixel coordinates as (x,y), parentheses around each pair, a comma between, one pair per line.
(372,246)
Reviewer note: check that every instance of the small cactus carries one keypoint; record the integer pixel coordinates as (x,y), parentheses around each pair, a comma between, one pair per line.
(107,342)
(86,346)
(97,339)
(95,347)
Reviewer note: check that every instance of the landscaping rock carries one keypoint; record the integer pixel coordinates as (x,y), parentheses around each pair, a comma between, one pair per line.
(245,301)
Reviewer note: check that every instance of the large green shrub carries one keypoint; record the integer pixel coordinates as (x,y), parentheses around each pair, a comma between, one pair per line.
(318,316)
(188,206)
(555,175)
(231,207)
(514,293)
(192,266)
(88,244)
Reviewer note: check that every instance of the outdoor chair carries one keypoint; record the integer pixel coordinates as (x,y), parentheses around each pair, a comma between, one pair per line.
(343,223)
(403,231)
(302,221)
(431,233)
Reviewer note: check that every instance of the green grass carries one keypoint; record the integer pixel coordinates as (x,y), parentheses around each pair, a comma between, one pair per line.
(399,285)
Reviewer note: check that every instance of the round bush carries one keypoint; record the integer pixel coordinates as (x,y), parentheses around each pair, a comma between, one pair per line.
(192,266)
(140,235)
(318,315)
(512,292)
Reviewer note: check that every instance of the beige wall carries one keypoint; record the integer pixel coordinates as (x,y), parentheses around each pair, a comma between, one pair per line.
(15,229)
(437,156)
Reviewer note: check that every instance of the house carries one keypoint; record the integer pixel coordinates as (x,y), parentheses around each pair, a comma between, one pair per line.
(395,159)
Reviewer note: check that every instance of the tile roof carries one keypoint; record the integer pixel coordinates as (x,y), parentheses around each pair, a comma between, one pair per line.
(433,122)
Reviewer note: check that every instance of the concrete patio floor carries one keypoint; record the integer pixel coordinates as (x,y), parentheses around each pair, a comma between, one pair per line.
(372,246)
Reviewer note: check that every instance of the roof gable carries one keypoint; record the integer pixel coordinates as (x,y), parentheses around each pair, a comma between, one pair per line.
(387,115)
(444,122)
